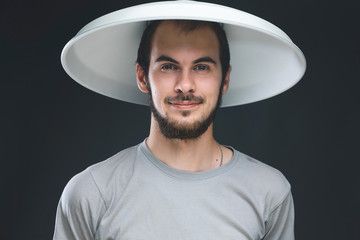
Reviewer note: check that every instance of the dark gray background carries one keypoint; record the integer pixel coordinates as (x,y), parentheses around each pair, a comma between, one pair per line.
(52,128)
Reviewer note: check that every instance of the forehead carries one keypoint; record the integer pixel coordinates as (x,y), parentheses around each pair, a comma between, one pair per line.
(171,36)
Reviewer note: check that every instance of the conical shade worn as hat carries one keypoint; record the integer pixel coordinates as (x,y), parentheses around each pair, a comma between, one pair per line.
(264,60)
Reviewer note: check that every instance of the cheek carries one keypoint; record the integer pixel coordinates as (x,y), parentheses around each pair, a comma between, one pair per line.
(210,87)
(158,92)
(161,84)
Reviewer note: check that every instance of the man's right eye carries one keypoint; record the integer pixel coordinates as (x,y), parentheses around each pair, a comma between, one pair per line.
(167,67)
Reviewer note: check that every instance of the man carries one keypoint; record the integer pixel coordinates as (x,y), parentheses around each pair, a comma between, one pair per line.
(179,183)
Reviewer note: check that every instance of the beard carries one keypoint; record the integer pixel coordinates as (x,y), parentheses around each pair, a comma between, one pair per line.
(175,130)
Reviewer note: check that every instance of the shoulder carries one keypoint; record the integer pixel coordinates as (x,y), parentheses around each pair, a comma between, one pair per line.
(80,208)
(80,188)
(262,172)
(264,181)
(88,194)
(93,182)
(122,161)
(103,178)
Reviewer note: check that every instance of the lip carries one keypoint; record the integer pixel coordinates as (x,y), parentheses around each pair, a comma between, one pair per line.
(184,104)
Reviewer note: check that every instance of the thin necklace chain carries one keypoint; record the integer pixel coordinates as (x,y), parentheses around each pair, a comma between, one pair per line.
(222,155)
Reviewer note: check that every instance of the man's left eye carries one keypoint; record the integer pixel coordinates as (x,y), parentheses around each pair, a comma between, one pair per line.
(201,68)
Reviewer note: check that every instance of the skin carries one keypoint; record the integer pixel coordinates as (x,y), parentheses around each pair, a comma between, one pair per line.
(184,63)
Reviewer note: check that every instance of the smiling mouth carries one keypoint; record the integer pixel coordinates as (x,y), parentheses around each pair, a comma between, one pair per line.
(182,100)
(184,104)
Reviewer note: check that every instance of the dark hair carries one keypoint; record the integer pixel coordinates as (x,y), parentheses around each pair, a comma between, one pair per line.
(143,57)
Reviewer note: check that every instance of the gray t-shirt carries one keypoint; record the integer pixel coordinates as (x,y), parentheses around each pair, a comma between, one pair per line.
(133,195)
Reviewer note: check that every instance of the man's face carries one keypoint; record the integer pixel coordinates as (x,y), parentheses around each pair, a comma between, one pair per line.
(184,80)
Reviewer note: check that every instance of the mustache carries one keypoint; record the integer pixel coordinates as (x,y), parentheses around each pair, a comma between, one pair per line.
(183,97)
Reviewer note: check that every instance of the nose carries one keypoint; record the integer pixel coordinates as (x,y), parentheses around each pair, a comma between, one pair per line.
(185,83)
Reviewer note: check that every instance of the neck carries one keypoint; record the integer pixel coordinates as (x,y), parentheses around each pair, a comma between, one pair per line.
(192,155)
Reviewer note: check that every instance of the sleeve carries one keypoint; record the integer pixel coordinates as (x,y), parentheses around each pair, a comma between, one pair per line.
(280,223)
(80,209)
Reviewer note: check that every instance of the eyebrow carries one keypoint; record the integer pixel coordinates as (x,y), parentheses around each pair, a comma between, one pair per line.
(164,58)
(205,59)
